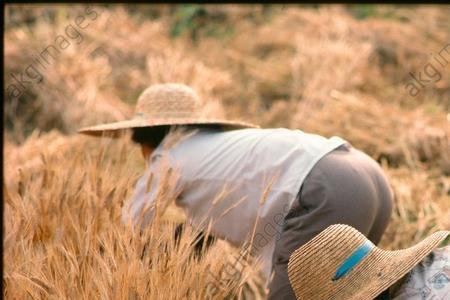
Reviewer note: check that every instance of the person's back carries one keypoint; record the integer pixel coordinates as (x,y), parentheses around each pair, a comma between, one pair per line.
(252,154)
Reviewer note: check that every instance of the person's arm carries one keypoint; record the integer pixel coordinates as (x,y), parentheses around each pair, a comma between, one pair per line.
(140,206)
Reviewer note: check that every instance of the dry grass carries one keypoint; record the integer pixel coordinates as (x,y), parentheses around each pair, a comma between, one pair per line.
(317,69)
(63,232)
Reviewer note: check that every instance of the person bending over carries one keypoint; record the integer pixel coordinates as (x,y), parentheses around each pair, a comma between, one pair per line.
(278,187)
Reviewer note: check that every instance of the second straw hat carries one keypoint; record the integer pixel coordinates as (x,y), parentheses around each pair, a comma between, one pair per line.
(341,263)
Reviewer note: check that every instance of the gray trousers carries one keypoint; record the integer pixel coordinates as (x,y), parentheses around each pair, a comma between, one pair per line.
(345,186)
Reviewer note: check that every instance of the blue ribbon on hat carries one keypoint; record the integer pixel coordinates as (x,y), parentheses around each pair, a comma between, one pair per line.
(355,258)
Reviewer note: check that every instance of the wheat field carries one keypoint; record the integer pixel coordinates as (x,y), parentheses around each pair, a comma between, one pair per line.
(329,69)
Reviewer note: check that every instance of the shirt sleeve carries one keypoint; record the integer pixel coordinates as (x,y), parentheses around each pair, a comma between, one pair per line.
(141,203)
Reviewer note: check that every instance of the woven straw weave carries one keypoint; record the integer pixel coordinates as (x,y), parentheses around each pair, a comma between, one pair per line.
(312,267)
(164,104)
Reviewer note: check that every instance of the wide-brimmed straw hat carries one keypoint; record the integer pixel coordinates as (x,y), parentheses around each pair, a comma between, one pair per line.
(164,104)
(341,263)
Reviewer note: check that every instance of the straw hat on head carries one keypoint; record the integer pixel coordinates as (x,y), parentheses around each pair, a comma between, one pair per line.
(341,263)
(164,104)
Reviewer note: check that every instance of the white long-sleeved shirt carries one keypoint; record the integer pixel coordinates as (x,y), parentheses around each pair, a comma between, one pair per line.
(243,163)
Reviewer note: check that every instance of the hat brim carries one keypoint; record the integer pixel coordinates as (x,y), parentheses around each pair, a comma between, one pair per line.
(377,272)
(115,129)
(391,266)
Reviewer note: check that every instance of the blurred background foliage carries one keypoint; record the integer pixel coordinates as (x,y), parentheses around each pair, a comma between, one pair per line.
(277,65)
